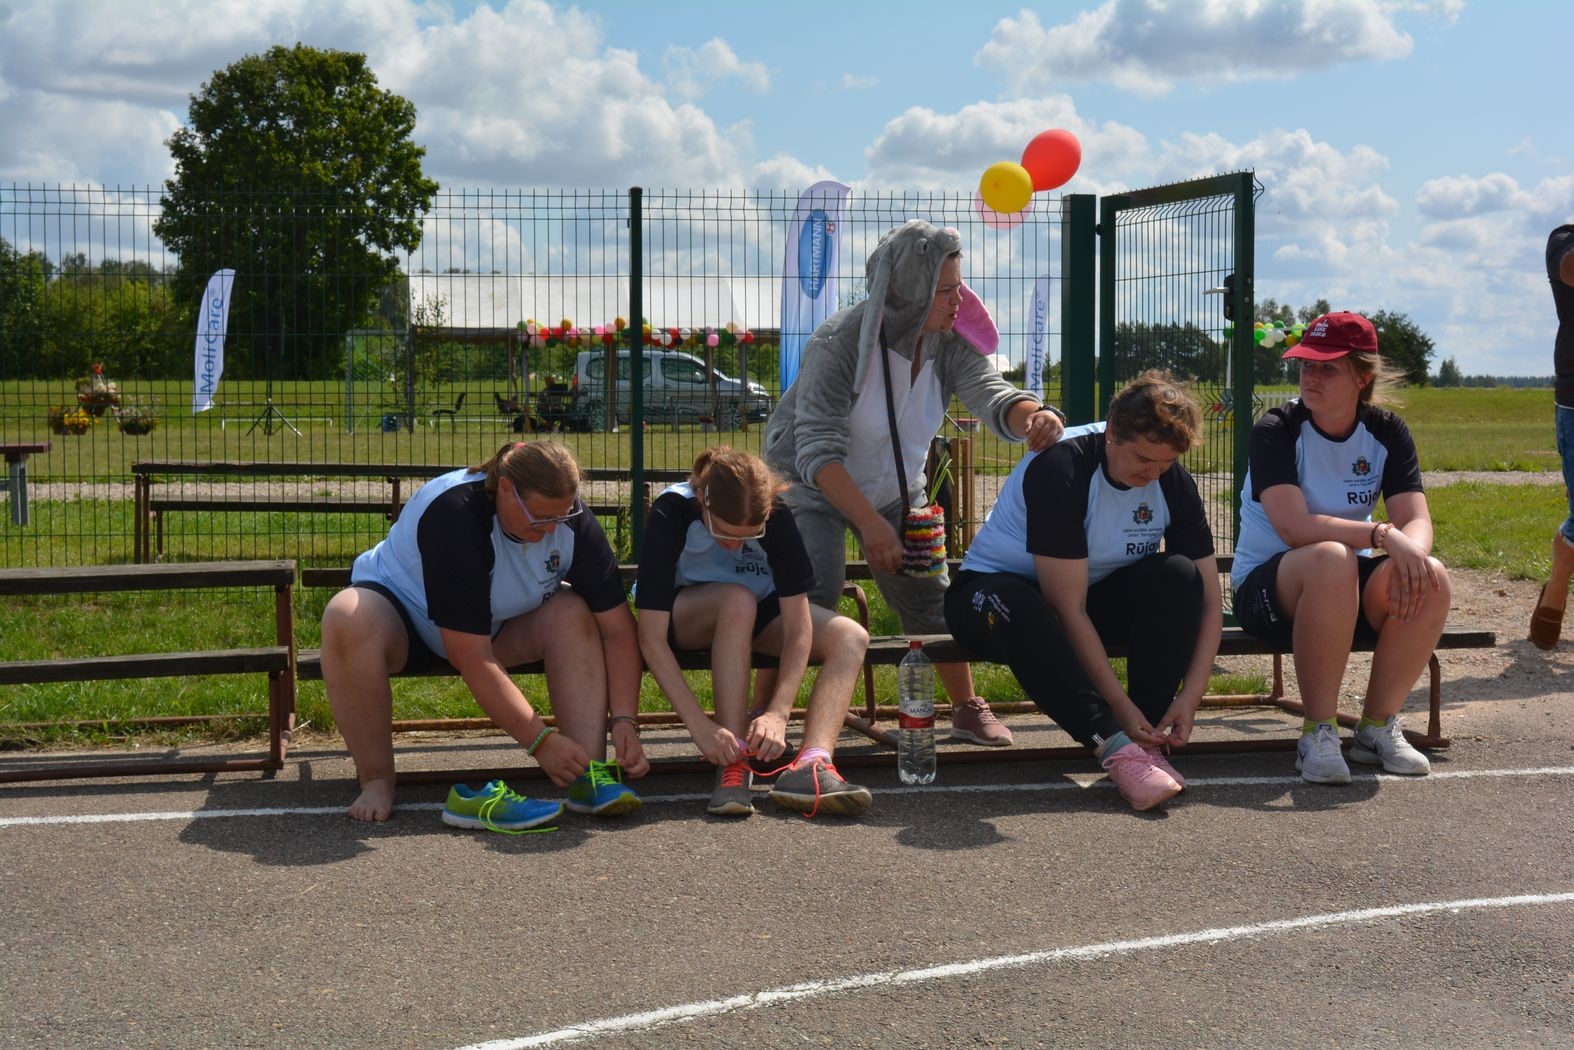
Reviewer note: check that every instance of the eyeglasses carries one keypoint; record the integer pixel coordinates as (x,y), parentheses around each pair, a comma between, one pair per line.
(710,525)
(555,519)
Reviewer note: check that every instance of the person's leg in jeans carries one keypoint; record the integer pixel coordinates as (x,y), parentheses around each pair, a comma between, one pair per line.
(1546,622)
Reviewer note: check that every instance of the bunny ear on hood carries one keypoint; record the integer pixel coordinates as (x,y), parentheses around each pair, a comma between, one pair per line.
(974,324)
(902,274)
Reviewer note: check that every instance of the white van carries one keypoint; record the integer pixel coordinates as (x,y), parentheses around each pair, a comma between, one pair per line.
(678,389)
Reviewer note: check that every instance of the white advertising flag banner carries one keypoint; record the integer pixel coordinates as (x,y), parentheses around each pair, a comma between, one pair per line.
(212,322)
(1038,341)
(809,269)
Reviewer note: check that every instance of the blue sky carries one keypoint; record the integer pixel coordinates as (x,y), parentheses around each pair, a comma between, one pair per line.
(1414,153)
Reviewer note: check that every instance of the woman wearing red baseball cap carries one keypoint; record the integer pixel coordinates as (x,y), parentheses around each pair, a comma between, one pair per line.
(1312,567)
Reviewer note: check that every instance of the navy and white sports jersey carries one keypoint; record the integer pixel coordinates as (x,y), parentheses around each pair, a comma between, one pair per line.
(1061,503)
(680,551)
(1341,478)
(449,561)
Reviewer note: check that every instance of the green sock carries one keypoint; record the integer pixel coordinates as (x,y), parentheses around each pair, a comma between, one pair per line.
(1371,723)
(1309,726)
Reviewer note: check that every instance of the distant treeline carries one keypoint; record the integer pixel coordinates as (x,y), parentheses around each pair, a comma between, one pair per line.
(1509,381)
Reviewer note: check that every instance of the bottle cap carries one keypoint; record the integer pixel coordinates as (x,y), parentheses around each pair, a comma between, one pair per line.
(915,644)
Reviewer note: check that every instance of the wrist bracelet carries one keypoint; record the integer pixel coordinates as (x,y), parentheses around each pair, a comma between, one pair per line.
(545,732)
(630,719)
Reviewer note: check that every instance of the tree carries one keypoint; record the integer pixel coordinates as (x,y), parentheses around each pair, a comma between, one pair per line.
(1182,349)
(1403,344)
(299,173)
(1448,373)
(22,282)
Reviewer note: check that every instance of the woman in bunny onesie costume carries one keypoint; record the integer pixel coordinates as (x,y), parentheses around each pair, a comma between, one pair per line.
(830,435)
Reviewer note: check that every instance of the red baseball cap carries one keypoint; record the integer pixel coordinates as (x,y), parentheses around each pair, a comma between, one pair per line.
(1332,336)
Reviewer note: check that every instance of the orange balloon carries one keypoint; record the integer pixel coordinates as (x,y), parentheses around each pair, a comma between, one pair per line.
(1052,158)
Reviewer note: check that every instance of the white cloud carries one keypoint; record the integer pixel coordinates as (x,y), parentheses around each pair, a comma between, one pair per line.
(922,149)
(691,73)
(524,94)
(855,82)
(1146,46)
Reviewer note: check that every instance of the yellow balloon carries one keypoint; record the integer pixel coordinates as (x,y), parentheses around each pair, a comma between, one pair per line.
(1006,187)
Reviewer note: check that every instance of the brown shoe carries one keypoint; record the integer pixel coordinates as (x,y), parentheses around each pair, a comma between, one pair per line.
(1545,624)
(973,721)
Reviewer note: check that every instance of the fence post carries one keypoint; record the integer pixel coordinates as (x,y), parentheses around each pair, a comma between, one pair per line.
(636,360)
(1241,350)
(1078,250)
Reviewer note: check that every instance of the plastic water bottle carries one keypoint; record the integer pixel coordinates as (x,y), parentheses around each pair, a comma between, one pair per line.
(915,742)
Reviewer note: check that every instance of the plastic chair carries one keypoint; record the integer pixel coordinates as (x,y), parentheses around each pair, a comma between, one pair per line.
(451,413)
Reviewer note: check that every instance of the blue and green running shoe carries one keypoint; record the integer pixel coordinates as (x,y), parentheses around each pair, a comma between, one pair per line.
(601,792)
(496,808)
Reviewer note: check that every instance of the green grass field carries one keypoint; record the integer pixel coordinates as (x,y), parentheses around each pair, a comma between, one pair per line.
(1499,528)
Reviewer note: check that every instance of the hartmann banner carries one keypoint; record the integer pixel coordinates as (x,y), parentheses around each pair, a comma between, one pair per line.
(809,269)
(212,321)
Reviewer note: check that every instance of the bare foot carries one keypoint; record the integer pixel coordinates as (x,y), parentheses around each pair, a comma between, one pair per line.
(375,802)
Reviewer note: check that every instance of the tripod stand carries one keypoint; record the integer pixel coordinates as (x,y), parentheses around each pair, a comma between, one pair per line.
(270,418)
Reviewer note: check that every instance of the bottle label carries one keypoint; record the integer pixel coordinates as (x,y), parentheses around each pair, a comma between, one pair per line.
(916,716)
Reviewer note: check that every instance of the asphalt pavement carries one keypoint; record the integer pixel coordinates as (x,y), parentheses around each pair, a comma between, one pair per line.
(1020,904)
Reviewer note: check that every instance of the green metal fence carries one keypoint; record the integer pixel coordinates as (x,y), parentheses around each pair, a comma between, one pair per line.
(480,343)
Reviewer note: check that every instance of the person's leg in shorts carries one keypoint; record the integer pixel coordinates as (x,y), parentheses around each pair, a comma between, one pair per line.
(367,637)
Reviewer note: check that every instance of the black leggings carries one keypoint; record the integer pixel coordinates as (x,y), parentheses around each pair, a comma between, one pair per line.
(1154,606)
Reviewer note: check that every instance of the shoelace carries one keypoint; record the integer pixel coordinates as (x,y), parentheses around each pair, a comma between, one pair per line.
(604,773)
(978,706)
(814,767)
(733,776)
(503,795)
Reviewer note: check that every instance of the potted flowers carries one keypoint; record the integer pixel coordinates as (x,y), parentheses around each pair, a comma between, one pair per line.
(66,419)
(95,393)
(137,415)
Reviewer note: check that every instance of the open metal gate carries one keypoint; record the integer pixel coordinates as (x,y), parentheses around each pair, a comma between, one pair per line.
(1175,291)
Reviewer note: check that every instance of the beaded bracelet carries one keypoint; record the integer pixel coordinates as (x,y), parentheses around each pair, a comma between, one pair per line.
(630,719)
(545,732)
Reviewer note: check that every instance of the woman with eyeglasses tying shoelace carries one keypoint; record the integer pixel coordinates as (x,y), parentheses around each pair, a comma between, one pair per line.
(474,572)
(723,568)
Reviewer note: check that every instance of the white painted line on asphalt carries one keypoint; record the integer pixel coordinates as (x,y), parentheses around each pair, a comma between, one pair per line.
(1072,782)
(686,1012)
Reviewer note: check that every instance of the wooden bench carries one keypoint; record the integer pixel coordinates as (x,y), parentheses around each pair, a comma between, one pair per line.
(277,661)
(888,650)
(150,505)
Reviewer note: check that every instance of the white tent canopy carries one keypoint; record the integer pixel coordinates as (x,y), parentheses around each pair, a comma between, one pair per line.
(489,302)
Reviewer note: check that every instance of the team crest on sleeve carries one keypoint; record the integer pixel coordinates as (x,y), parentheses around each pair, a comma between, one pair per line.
(1143,515)
(1361,467)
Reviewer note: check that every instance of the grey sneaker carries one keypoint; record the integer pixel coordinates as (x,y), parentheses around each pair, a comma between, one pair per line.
(1318,757)
(973,721)
(816,787)
(1386,745)
(732,797)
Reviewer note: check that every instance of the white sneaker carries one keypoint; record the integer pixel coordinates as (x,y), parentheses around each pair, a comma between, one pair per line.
(1386,745)
(1318,757)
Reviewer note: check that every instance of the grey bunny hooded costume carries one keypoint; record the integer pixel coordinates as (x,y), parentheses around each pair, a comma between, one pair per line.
(810,428)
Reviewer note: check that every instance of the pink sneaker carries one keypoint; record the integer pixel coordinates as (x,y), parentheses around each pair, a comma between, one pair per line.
(1142,782)
(973,721)
(1161,760)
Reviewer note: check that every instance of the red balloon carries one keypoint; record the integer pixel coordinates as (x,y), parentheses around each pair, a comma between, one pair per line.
(1052,158)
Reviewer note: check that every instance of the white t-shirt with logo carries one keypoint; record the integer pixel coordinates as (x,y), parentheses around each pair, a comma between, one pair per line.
(1339,477)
